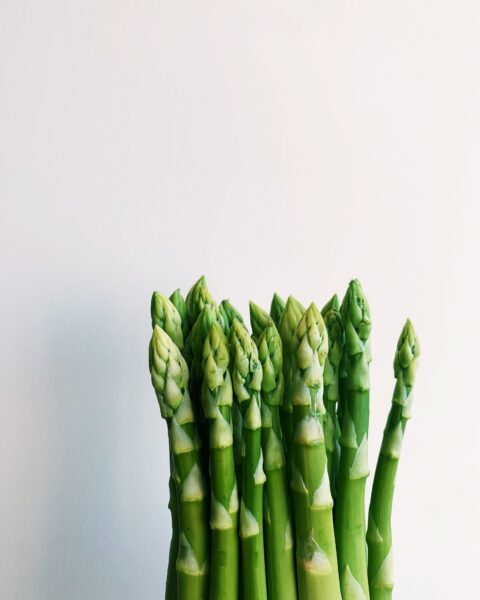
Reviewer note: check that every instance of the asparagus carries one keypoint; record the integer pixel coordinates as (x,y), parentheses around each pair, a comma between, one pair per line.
(247,381)
(281,582)
(330,392)
(197,298)
(288,323)
(169,373)
(229,314)
(276,309)
(379,534)
(217,397)
(332,303)
(317,569)
(259,320)
(179,302)
(353,470)
(165,315)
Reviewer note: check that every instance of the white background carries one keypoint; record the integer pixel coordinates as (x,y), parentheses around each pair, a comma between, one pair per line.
(281,146)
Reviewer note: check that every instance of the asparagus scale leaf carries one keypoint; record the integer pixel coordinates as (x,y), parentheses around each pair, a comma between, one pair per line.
(379,534)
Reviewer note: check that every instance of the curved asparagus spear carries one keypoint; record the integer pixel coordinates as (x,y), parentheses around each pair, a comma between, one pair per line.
(332,303)
(288,323)
(331,427)
(276,309)
(217,397)
(281,582)
(229,314)
(317,569)
(166,316)
(353,470)
(247,381)
(179,302)
(169,374)
(379,534)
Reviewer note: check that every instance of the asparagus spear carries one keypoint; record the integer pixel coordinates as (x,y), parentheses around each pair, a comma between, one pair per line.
(247,381)
(276,309)
(229,313)
(217,396)
(179,302)
(288,323)
(379,534)
(169,374)
(197,298)
(332,303)
(281,582)
(165,315)
(330,392)
(259,320)
(317,569)
(353,470)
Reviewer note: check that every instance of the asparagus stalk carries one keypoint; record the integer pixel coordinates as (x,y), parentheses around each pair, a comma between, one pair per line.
(276,309)
(353,470)
(247,381)
(317,569)
(229,314)
(331,427)
(179,302)
(259,320)
(165,315)
(379,534)
(169,373)
(288,323)
(281,582)
(197,298)
(217,397)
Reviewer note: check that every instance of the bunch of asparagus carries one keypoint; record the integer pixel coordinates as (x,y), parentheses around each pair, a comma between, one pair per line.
(268,437)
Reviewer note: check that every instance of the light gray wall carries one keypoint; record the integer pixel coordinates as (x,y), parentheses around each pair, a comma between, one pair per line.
(272,146)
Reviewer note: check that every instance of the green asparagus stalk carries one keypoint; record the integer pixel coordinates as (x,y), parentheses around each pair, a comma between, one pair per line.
(331,427)
(217,398)
(179,302)
(379,534)
(197,298)
(353,470)
(317,570)
(332,303)
(259,320)
(288,323)
(247,381)
(276,309)
(229,314)
(169,374)
(281,582)
(165,315)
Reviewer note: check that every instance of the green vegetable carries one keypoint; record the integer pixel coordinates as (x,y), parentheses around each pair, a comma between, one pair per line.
(229,314)
(353,470)
(379,535)
(179,302)
(317,569)
(217,398)
(247,381)
(278,527)
(166,316)
(276,309)
(331,427)
(169,373)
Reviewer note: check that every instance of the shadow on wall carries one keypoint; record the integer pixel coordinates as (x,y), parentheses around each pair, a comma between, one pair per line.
(92,516)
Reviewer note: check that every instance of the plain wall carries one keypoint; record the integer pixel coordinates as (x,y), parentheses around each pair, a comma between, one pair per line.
(284,146)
